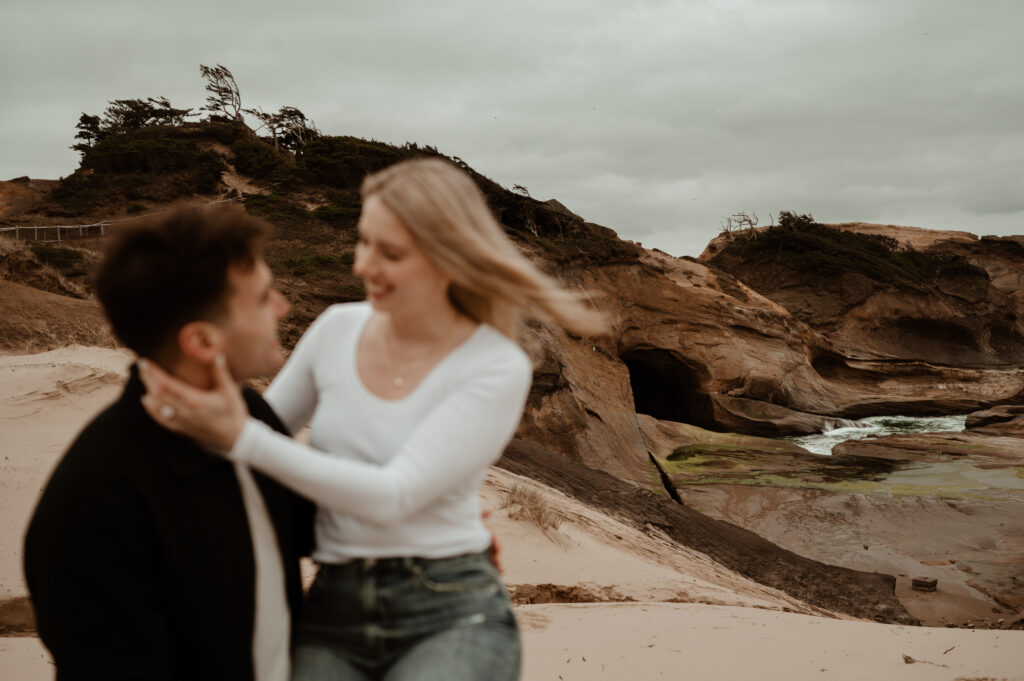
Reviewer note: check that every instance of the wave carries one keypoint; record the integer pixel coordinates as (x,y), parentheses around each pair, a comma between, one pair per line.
(877,426)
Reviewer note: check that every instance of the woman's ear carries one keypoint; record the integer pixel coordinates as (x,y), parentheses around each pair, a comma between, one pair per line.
(200,341)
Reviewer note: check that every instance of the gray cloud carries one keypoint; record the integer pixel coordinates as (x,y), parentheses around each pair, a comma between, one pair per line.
(655,118)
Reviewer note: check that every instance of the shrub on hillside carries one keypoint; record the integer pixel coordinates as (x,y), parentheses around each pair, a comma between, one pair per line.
(57,256)
(343,162)
(147,152)
(154,163)
(49,268)
(279,210)
(260,160)
(338,215)
(305,261)
(800,244)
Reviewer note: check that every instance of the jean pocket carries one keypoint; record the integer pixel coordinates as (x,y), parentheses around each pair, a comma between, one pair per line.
(458,576)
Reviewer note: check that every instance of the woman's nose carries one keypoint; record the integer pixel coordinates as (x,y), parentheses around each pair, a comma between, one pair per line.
(363,262)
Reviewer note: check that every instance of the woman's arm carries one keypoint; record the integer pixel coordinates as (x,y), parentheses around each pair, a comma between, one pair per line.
(465,433)
(293,393)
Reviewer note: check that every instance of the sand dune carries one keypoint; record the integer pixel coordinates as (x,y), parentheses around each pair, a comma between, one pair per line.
(656,610)
(612,561)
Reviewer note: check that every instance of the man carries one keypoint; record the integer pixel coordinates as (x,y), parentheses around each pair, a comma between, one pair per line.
(147,557)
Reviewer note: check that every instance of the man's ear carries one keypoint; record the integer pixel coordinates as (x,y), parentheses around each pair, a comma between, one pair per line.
(200,341)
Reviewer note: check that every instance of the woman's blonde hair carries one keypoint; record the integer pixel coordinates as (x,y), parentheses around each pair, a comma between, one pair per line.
(492,282)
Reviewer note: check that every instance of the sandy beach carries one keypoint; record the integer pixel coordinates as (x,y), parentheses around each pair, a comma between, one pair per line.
(645,608)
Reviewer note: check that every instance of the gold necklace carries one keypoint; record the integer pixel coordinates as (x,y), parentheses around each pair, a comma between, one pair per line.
(398,382)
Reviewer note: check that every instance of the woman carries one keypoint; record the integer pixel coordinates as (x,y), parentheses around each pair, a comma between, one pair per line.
(410,397)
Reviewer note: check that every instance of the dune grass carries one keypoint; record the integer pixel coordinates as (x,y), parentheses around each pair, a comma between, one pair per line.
(527,503)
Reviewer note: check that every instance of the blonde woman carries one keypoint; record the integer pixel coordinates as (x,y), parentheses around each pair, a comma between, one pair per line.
(410,396)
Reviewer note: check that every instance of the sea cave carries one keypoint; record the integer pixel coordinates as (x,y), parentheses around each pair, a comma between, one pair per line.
(666,388)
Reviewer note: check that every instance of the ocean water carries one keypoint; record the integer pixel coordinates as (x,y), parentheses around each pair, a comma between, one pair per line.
(877,426)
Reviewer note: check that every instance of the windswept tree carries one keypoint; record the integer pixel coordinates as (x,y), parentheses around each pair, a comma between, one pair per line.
(298,130)
(796,222)
(224,98)
(288,127)
(90,131)
(131,114)
(124,115)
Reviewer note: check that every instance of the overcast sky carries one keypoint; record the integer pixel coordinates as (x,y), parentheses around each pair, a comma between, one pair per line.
(657,119)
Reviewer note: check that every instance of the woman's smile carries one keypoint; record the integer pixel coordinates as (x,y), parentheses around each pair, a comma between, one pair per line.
(396,273)
(374,290)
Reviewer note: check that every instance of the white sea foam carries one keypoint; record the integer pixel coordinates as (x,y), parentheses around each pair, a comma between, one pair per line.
(877,426)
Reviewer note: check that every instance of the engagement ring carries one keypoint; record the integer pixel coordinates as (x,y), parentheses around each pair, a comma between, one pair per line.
(167,412)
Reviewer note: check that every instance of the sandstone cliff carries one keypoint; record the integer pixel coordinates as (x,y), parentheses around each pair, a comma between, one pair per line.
(696,345)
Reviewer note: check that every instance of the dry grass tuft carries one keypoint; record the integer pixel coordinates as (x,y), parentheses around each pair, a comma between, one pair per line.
(527,503)
(22,264)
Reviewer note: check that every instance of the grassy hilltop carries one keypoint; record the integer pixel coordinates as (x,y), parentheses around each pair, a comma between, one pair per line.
(311,195)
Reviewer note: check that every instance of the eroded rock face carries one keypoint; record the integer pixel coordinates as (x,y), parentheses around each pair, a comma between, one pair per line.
(695,345)
(996,415)
(1002,257)
(937,305)
(580,405)
(684,336)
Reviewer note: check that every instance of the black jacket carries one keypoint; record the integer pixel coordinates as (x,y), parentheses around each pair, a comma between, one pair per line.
(139,559)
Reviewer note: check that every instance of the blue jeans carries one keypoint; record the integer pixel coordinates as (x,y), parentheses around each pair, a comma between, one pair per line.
(447,619)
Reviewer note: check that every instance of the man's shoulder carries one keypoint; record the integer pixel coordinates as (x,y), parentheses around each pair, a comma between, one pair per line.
(96,476)
(103,453)
(107,436)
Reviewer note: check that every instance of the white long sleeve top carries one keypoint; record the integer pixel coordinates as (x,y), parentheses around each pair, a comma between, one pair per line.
(391,477)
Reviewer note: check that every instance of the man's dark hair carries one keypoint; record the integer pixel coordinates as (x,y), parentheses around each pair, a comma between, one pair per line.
(172,269)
